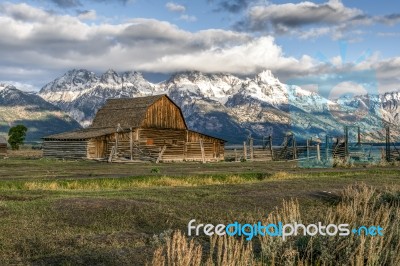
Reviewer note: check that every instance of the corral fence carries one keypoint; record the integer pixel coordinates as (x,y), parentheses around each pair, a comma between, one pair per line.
(288,148)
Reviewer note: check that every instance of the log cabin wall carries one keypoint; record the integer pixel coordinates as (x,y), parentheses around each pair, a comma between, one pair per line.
(97,148)
(3,148)
(164,114)
(61,149)
(218,146)
(148,142)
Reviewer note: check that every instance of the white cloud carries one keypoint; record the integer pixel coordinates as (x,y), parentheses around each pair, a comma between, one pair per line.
(347,88)
(311,20)
(21,86)
(314,32)
(282,17)
(171,6)
(62,42)
(245,58)
(36,46)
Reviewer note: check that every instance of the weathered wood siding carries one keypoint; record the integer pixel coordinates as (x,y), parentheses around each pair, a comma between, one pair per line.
(164,114)
(3,148)
(148,142)
(97,148)
(218,148)
(76,149)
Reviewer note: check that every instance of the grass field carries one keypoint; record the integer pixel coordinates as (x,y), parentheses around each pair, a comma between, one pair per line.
(90,213)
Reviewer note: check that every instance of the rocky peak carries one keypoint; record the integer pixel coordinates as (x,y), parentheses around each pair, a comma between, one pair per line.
(110,77)
(4,87)
(267,77)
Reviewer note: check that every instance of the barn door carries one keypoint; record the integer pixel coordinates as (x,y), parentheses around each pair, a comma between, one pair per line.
(101,146)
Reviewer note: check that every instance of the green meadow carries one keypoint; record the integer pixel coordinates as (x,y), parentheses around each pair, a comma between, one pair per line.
(90,213)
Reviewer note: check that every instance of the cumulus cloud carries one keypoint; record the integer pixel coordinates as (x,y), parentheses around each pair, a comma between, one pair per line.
(387,72)
(391,19)
(283,17)
(173,7)
(244,58)
(310,20)
(37,46)
(36,39)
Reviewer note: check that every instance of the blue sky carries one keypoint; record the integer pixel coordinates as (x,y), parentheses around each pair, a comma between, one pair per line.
(42,39)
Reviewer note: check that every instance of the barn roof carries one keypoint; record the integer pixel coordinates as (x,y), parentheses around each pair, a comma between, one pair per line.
(128,112)
(86,133)
(125,112)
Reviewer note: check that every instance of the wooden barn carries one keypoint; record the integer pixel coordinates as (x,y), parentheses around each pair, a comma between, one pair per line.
(3,146)
(130,129)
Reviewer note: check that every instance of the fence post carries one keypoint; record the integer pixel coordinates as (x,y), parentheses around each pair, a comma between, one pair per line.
(270,147)
(388,155)
(203,157)
(244,151)
(308,149)
(294,144)
(318,153)
(251,149)
(346,142)
(131,144)
(326,147)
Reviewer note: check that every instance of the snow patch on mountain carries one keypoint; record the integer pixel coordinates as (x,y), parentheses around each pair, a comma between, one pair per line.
(227,106)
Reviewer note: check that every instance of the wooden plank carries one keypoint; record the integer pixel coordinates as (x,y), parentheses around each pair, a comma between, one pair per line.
(164,114)
(203,156)
(110,158)
(161,153)
(131,144)
(244,151)
(251,149)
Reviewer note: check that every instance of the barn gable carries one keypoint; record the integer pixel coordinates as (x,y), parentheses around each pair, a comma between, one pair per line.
(157,111)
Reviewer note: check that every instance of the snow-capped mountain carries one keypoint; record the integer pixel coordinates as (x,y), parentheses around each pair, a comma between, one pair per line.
(390,103)
(39,116)
(227,106)
(81,93)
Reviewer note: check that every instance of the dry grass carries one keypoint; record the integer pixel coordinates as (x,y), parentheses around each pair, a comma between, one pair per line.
(343,163)
(116,184)
(383,163)
(25,153)
(359,205)
(282,176)
(180,251)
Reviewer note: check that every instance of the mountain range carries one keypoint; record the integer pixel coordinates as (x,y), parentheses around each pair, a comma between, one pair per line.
(230,107)
(39,116)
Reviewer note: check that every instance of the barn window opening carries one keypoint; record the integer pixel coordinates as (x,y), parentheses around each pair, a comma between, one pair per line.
(174,142)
